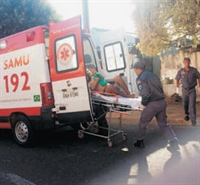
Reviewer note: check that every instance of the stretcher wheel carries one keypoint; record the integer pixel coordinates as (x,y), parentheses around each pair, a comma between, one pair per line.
(80,135)
(124,137)
(110,144)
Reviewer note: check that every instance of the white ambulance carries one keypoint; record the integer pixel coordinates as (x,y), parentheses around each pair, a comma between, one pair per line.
(43,79)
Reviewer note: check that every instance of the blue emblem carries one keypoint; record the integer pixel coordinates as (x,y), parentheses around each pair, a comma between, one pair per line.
(140,87)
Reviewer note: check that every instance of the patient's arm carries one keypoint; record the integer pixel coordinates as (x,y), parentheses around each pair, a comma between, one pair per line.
(94,83)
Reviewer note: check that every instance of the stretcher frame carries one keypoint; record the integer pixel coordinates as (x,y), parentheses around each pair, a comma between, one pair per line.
(110,107)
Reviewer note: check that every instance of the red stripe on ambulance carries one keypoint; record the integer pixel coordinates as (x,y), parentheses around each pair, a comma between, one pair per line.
(5,125)
(31,111)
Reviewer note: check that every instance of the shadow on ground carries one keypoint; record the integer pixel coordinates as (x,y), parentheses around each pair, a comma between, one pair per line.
(60,158)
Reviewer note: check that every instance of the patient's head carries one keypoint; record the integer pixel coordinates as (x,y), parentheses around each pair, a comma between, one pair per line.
(91,68)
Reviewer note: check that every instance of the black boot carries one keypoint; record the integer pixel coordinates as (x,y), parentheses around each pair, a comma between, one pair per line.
(139,144)
(186,118)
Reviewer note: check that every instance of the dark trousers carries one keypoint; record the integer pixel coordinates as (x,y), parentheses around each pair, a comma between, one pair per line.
(189,103)
(157,109)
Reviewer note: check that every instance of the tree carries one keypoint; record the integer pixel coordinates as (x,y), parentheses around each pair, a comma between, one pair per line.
(163,23)
(19,15)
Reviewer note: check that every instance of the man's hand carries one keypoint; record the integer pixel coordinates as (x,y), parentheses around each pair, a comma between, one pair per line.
(177,90)
(198,90)
(133,96)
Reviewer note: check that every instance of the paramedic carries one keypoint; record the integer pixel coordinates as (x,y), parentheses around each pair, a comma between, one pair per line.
(98,83)
(153,98)
(188,76)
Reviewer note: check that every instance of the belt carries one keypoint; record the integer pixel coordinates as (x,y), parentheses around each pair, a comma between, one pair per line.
(189,88)
(158,99)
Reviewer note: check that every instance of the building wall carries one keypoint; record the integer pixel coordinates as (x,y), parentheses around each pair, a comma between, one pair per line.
(170,63)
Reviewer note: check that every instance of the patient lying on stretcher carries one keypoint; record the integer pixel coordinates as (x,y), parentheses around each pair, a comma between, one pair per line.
(97,83)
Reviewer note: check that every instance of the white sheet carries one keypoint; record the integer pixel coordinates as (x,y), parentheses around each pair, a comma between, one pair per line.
(134,103)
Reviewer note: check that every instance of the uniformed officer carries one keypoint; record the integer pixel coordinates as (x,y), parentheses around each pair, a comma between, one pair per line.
(153,98)
(188,76)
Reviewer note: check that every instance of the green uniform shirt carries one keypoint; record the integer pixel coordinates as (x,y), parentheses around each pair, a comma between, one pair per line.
(101,79)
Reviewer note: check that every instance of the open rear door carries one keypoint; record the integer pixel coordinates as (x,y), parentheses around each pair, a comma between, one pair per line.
(114,54)
(67,70)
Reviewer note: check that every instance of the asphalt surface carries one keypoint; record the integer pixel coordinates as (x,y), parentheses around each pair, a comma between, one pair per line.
(61,158)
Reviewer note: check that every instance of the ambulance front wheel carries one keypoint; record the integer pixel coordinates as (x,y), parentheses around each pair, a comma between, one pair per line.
(22,131)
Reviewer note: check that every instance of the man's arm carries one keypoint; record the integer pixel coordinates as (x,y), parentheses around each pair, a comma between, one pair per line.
(199,81)
(177,83)
(145,92)
(177,78)
(198,77)
(198,89)
(177,86)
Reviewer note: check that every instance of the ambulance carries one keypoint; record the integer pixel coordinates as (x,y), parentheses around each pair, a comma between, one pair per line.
(43,79)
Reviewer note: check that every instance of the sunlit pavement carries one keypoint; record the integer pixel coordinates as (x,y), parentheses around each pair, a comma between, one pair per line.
(156,165)
(175,115)
(12,179)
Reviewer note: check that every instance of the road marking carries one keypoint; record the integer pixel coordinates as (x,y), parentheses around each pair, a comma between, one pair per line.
(17,180)
(133,175)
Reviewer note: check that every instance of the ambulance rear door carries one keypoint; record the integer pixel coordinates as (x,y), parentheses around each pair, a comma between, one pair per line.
(68,74)
(114,55)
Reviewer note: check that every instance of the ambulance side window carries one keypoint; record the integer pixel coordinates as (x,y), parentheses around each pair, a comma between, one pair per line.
(114,57)
(46,40)
(88,50)
(66,56)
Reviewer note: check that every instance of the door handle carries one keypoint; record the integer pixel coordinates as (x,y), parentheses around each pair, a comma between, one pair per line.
(62,108)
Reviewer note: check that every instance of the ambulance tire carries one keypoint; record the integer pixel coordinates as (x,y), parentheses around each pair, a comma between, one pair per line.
(22,131)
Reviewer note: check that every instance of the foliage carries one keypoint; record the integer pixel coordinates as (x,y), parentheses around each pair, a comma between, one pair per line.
(19,15)
(162,23)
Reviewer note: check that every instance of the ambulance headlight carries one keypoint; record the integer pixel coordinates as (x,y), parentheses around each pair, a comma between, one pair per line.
(3,44)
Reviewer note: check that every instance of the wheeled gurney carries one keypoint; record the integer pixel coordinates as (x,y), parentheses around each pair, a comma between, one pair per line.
(110,103)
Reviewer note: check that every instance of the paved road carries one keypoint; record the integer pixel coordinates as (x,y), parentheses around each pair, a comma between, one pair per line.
(61,158)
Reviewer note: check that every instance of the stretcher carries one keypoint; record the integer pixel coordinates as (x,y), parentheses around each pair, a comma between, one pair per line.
(110,103)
